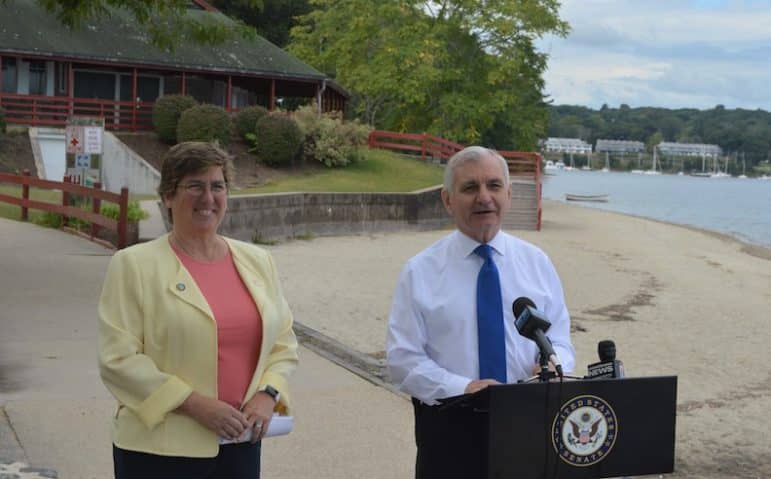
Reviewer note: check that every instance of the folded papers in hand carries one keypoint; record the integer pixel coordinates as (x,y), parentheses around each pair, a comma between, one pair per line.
(278,426)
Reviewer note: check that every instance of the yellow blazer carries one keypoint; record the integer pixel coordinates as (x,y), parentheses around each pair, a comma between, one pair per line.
(158,343)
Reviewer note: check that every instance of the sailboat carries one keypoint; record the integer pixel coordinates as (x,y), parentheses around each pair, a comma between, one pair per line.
(744,166)
(653,170)
(717,173)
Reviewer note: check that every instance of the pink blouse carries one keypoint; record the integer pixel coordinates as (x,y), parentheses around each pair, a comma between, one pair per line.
(239,324)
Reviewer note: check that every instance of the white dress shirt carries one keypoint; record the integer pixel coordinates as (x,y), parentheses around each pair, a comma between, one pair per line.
(432,347)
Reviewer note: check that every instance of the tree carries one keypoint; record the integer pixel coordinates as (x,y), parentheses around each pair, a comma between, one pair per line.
(461,69)
(272,19)
(166,20)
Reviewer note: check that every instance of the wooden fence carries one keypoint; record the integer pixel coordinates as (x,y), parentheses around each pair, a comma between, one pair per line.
(55,110)
(522,164)
(67,210)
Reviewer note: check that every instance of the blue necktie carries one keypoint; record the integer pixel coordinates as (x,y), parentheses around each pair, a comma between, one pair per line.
(492,342)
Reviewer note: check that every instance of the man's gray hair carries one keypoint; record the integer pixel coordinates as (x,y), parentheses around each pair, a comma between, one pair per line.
(471,153)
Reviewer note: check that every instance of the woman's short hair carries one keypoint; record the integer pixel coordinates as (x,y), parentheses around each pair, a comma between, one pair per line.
(471,153)
(189,158)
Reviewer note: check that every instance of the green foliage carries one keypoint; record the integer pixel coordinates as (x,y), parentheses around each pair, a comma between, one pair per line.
(49,219)
(258,238)
(379,171)
(166,112)
(246,119)
(744,135)
(272,19)
(463,70)
(110,210)
(205,123)
(2,121)
(330,140)
(277,139)
(168,22)
(135,212)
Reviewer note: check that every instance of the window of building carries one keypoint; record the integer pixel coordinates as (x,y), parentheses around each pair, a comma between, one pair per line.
(9,75)
(37,78)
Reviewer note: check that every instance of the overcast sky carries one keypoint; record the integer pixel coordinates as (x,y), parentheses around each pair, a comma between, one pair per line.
(665,53)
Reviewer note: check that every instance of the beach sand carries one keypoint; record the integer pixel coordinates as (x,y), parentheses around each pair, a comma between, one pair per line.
(676,300)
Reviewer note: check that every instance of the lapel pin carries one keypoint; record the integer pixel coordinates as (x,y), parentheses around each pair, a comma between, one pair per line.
(180,286)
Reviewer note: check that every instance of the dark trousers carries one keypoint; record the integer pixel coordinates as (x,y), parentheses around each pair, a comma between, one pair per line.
(234,461)
(451,443)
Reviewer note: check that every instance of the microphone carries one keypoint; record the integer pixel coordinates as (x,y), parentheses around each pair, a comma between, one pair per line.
(532,324)
(609,366)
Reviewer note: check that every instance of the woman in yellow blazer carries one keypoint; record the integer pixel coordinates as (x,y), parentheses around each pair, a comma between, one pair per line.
(195,336)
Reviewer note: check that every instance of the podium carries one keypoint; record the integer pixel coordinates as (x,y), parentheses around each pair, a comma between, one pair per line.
(569,430)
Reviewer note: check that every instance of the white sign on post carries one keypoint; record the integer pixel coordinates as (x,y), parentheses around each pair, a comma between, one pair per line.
(73,138)
(92,136)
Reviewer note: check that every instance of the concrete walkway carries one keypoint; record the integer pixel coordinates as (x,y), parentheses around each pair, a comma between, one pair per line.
(54,411)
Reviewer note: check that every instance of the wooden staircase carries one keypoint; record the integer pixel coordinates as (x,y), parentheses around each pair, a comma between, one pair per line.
(524,212)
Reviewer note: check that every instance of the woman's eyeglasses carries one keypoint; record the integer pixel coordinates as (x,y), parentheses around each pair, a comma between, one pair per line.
(198,188)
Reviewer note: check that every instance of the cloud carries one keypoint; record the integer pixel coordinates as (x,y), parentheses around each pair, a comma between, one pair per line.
(670,53)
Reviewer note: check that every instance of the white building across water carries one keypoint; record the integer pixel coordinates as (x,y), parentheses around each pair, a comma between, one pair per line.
(567,145)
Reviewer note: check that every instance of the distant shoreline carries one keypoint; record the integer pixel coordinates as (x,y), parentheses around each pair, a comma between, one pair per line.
(753,249)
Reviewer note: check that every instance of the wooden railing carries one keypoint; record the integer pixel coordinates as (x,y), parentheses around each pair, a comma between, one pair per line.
(65,209)
(522,164)
(427,145)
(54,110)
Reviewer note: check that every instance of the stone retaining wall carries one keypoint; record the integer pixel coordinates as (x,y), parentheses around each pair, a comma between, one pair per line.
(287,215)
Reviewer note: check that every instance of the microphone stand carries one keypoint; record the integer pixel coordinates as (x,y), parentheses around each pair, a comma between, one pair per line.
(545,374)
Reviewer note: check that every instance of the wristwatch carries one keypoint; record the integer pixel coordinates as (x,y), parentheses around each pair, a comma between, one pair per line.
(272,392)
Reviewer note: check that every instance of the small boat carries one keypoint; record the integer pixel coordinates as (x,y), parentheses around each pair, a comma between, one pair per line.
(596,198)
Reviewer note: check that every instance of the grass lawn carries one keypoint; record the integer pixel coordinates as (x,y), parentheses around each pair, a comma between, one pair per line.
(13,212)
(381,171)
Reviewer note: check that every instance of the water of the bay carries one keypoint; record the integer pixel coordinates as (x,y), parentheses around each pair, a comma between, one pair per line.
(738,207)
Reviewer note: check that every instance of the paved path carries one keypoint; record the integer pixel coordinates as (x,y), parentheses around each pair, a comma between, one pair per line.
(56,411)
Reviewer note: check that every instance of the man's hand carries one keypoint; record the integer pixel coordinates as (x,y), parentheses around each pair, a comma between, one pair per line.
(258,412)
(537,369)
(219,416)
(479,384)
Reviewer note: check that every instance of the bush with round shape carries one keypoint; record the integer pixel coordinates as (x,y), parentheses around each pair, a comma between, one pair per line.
(247,118)
(205,123)
(166,112)
(277,139)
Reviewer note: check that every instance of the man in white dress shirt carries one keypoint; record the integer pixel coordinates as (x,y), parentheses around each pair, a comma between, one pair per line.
(432,344)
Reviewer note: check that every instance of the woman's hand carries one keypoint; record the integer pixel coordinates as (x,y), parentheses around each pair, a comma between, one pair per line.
(222,418)
(258,412)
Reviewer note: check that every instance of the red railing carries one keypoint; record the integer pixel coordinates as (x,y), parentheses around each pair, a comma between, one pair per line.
(522,164)
(65,209)
(55,110)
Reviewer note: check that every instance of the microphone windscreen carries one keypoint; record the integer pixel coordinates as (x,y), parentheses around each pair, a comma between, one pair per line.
(606,350)
(520,304)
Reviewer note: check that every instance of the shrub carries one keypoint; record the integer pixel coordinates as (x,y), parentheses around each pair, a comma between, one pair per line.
(166,113)
(205,123)
(135,212)
(246,119)
(110,210)
(329,139)
(277,139)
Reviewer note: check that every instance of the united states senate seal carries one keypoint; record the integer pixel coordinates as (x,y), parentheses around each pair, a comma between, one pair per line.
(584,430)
